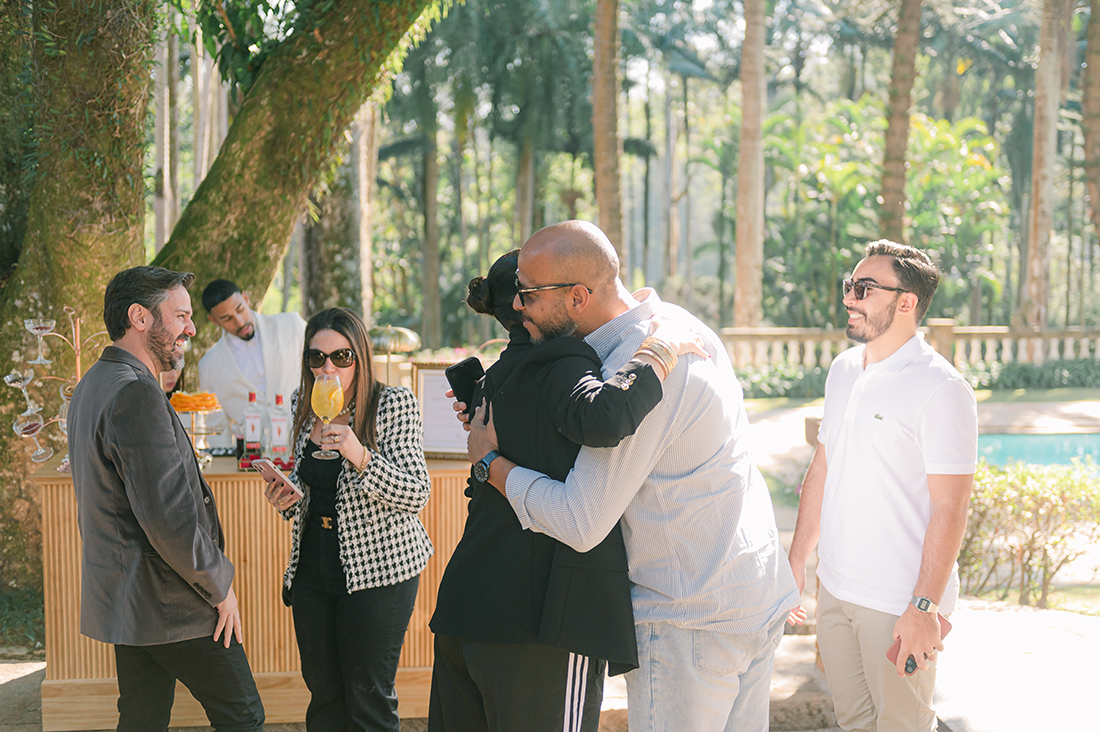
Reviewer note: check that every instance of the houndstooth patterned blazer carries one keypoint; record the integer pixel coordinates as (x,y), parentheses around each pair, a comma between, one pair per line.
(382,541)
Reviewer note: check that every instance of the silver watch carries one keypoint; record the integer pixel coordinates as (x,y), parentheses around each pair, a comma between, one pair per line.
(924,604)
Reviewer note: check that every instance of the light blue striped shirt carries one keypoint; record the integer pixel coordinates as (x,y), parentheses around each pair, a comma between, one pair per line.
(697,517)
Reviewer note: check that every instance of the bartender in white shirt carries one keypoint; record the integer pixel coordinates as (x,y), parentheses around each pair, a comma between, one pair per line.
(260,353)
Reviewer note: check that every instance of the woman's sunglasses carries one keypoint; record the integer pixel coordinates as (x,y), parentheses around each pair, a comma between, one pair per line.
(859,288)
(341,358)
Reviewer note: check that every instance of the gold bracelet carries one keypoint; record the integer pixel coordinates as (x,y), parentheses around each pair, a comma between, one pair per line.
(366,458)
(646,351)
(663,349)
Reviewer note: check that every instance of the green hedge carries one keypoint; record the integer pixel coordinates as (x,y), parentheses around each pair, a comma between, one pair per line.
(786,380)
(1074,373)
(1026,523)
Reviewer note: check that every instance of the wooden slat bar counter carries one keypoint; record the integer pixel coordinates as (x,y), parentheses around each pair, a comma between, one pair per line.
(80,690)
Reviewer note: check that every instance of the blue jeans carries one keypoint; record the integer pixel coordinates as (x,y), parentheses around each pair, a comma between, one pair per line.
(701,680)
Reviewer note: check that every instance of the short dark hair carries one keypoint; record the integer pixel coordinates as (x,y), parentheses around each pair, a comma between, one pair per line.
(218,292)
(146,286)
(916,271)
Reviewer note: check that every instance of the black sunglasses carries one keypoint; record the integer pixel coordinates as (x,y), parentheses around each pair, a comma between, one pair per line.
(860,287)
(521,291)
(341,358)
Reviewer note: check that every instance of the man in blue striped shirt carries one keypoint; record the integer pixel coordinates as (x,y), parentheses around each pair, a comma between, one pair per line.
(711,585)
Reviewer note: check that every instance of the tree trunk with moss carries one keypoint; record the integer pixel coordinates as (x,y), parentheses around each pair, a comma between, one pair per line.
(906,40)
(91,84)
(15,113)
(287,130)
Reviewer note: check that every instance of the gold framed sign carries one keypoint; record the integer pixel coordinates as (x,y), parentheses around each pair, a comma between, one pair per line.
(444,436)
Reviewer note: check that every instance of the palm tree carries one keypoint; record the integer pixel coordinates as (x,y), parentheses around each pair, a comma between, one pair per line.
(1091,123)
(1048,95)
(605,116)
(892,217)
(748,294)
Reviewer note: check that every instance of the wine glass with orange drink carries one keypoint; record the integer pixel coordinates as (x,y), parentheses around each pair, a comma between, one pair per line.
(327,401)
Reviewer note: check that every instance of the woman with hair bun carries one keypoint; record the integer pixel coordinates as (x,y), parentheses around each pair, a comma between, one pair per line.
(524,625)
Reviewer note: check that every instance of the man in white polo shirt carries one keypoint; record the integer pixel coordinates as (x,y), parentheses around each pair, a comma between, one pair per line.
(887,494)
(260,353)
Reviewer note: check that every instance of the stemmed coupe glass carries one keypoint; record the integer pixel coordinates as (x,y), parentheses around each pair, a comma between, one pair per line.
(20,378)
(40,327)
(29,425)
(327,400)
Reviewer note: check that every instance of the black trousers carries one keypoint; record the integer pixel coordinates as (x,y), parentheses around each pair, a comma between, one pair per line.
(506,687)
(218,677)
(349,643)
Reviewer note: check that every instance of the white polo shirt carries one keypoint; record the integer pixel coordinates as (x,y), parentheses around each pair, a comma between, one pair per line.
(886,428)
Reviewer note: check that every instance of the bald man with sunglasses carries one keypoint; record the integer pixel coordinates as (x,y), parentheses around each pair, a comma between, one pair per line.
(885,498)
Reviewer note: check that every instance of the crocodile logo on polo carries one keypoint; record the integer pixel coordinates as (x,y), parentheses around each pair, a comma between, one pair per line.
(879,417)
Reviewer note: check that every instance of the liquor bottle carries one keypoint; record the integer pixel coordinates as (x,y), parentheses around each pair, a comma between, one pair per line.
(278,444)
(253,427)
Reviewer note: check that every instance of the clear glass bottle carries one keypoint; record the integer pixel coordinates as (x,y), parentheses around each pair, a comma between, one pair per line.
(278,444)
(253,426)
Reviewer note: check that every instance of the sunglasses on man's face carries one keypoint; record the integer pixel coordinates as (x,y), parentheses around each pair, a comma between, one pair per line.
(341,358)
(860,288)
(522,291)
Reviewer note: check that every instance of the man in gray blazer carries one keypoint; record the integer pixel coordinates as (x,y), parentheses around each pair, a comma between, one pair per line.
(155,581)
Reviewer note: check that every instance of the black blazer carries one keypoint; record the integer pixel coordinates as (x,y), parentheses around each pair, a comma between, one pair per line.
(152,566)
(507,585)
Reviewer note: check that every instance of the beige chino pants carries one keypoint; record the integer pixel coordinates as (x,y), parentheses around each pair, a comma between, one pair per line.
(868,694)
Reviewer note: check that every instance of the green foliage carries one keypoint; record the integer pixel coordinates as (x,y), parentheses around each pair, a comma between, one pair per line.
(823,209)
(1071,373)
(782,380)
(956,204)
(1026,523)
(22,618)
(827,169)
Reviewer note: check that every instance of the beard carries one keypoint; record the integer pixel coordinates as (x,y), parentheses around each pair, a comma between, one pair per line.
(557,325)
(161,345)
(873,325)
(251,333)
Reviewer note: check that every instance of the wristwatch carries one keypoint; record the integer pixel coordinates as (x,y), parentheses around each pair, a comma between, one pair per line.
(920,603)
(481,467)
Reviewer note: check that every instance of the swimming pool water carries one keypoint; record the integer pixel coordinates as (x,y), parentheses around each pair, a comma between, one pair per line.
(1054,449)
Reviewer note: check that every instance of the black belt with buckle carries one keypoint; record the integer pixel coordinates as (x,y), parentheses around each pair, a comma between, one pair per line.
(325,522)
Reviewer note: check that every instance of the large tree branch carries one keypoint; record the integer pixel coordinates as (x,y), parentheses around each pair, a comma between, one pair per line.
(289,126)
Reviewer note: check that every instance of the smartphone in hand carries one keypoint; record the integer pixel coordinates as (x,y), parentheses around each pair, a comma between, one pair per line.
(911,663)
(463,377)
(271,473)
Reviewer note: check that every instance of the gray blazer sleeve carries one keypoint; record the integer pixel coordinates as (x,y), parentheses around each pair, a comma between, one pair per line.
(142,436)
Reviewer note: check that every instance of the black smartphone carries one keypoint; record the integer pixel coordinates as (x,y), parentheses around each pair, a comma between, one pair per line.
(463,377)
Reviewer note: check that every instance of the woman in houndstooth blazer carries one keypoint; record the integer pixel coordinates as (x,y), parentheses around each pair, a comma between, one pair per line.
(358,543)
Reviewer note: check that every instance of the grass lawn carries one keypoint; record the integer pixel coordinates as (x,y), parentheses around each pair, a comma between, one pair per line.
(1084,599)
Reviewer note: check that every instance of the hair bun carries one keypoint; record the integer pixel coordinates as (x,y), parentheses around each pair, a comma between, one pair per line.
(480,296)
